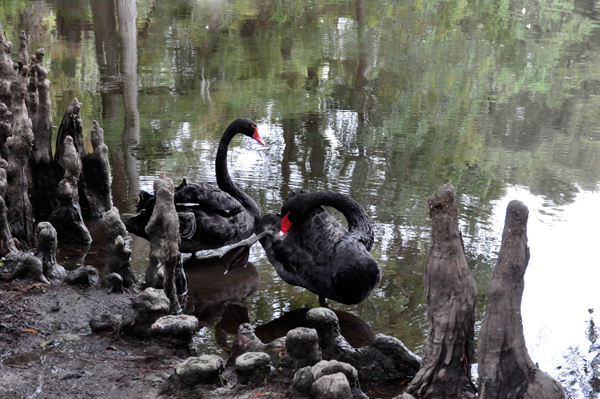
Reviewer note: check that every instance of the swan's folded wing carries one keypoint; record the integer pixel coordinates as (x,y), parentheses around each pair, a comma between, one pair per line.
(318,234)
(187,224)
(207,198)
(358,275)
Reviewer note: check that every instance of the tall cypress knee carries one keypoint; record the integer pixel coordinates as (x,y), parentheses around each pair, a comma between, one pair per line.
(505,368)
(450,293)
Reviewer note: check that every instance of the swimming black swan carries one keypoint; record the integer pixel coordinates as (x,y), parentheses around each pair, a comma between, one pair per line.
(314,251)
(209,217)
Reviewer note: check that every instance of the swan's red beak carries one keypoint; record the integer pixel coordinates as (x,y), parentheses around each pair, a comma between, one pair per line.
(257,137)
(285,225)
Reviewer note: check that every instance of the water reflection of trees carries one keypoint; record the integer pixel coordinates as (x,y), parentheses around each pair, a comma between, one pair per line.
(377,61)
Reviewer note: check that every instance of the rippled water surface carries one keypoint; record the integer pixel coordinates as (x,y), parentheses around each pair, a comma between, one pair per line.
(382,100)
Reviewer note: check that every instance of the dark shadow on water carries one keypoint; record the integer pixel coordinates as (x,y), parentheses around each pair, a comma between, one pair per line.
(210,290)
(356,331)
(71,256)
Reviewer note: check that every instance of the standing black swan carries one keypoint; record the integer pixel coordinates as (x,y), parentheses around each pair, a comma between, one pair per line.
(314,251)
(209,217)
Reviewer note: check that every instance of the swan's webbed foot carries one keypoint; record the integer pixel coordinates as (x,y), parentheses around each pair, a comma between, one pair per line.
(323,302)
(235,258)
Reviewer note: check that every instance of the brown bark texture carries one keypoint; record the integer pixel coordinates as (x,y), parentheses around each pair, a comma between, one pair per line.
(20,211)
(6,120)
(34,187)
(43,180)
(7,69)
(94,188)
(505,368)
(450,293)
(46,246)
(384,358)
(94,180)
(163,231)
(67,215)
(118,254)
(23,53)
(70,125)
(7,243)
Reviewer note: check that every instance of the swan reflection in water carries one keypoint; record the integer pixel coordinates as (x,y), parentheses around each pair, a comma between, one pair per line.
(214,298)
(355,330)
(211,290)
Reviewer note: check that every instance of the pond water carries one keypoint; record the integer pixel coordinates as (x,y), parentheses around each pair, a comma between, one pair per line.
(382,100)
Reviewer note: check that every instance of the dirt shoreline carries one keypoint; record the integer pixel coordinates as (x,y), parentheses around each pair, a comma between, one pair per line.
(47,349)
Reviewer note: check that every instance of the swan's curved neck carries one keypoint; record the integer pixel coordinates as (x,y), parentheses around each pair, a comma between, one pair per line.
(359,224)
(224,180)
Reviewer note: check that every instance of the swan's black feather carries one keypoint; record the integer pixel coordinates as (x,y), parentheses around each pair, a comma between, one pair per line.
(318,253)
(222,215)
(207,196)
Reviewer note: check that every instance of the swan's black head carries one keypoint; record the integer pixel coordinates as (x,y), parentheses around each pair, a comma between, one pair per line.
(146,202)
(247,127)
(295,208)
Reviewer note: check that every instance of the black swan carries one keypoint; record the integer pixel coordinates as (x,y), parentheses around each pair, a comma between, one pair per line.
(209,217)
(314,251)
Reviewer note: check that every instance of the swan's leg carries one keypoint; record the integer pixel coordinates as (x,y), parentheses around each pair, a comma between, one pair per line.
(323,302)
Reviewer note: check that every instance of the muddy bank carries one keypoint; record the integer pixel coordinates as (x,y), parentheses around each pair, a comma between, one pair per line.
(47,349)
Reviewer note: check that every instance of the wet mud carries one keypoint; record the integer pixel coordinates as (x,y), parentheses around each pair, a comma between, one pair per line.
(47,349)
